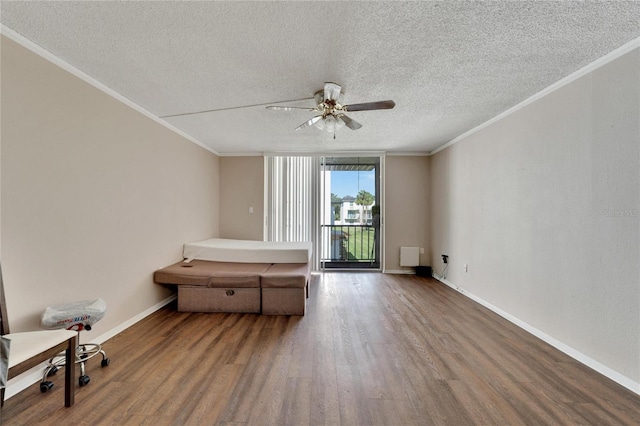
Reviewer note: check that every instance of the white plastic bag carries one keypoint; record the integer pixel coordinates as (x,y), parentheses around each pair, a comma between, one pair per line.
(74,315)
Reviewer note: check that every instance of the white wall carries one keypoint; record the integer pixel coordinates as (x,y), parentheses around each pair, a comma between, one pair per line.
(95,196)
(543,205)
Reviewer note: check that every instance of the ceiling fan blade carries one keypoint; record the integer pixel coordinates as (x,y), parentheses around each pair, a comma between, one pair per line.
(308,123)
(331,91)
(288,108)
(350,123)
(370,106)
(182,114)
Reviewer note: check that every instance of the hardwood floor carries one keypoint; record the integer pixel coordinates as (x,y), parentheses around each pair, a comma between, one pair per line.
(373,349)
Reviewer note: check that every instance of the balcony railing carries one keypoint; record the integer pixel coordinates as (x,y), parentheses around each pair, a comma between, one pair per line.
(349,245)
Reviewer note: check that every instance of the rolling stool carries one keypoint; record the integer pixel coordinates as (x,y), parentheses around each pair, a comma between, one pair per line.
(75,316)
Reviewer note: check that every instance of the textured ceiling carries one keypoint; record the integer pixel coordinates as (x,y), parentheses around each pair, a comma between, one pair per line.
(449,66)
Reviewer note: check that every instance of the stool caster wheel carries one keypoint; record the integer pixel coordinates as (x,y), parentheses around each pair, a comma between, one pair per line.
(45,386)
(53,371)
(83,380)
(105,362)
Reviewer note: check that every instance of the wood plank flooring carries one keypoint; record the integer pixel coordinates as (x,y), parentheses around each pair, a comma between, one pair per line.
(373,349)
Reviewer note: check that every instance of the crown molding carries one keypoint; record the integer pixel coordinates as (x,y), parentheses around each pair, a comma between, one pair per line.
(408,154)
(325,154)
(45,54)
(241,154)
(611,56)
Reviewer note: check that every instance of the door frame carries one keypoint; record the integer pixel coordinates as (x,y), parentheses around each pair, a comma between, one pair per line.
(380,200)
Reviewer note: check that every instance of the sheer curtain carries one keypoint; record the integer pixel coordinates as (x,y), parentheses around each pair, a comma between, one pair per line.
(292,200)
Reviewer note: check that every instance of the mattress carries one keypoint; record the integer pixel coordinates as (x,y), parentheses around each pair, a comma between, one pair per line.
(245,251)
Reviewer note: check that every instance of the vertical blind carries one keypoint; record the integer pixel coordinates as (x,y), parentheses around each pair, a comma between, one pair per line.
(292,200)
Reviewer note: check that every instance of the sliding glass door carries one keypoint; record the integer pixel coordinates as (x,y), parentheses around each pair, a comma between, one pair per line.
(350,216)
(334,202)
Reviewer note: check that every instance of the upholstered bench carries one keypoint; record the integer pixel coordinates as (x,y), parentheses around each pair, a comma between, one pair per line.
(205,286)
(224,275)
(285,288)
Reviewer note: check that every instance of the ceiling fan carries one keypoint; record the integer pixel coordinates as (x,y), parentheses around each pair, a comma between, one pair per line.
(332,115)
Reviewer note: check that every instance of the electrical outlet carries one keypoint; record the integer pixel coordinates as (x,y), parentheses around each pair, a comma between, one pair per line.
(466,267)
(445,258)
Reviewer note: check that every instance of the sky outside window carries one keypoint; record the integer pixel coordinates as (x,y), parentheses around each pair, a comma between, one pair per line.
(345,183)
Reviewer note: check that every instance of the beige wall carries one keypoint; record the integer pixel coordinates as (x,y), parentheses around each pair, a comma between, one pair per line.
(406,216)
(543,207)
(95,195)
(241,188)
(407,211)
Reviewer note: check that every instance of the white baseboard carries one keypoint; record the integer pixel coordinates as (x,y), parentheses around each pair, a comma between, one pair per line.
(399,271)
(577,355)
(34,375)
(119,329)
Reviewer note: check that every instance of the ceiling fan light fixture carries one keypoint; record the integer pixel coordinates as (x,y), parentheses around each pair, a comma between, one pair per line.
(330,124)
